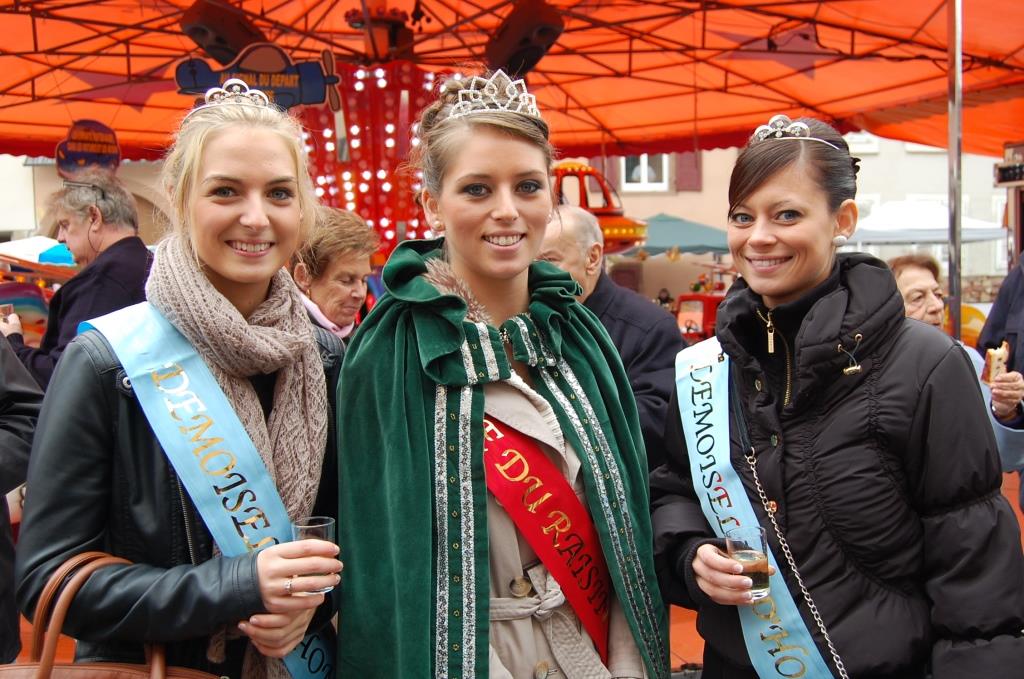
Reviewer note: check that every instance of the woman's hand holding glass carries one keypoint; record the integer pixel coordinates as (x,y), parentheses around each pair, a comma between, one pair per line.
(284,572)
(721,578)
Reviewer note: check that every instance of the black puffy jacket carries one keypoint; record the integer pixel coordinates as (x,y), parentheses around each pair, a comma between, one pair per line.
(887,484)
(99,480)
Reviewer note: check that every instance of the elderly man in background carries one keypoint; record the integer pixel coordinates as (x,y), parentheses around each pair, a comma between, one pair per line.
(97,220)
(646,337)
(332,268)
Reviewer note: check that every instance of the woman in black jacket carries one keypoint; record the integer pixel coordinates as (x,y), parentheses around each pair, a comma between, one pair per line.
(860,434)
(100,478)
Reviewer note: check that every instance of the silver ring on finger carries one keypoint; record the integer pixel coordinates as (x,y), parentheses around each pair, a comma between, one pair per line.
(288,585)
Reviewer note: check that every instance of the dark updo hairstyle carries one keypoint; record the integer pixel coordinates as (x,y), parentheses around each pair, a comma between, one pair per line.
(441,135)
(834,169)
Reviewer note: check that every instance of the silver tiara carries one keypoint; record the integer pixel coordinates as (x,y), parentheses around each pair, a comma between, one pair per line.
(497,93)
(781,127)
(234,91)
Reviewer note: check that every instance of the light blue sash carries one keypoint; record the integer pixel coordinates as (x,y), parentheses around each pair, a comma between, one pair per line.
(777,639)
(194,422)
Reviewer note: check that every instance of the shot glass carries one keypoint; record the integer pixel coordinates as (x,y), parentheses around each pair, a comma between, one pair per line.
(748,546)
(314,528)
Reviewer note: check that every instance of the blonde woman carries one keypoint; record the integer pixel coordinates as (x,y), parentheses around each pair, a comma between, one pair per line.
(107,476)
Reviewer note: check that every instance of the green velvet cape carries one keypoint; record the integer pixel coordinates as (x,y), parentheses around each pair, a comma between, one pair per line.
(413,512)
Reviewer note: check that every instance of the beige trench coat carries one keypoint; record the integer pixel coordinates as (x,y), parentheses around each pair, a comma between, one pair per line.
(539,635)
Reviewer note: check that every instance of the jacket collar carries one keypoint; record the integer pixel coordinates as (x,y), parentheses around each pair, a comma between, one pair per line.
(866,302)
(449,322)
(601,296)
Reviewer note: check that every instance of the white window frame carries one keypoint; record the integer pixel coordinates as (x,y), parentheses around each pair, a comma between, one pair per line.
(862,142)
(634,187)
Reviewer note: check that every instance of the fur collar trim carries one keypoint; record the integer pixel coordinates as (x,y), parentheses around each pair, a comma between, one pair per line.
(441,275)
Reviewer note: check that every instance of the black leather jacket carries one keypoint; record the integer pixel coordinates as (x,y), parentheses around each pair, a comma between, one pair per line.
(100,481)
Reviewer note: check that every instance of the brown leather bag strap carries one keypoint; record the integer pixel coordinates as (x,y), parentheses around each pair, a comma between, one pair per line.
(158,661)
(46,599)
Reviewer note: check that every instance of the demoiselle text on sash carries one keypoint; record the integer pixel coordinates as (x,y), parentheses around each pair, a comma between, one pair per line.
(777,639)
(208,447)
(553,521)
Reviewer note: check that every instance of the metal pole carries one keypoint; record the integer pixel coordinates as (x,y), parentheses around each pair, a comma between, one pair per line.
(954,16)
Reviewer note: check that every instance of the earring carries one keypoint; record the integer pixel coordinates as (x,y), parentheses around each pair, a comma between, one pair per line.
(839,241)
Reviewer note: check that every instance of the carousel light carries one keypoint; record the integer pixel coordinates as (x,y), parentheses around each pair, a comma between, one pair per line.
(305,135)
(389,234)
(333,190)
(355,143)
(389,142)
(348,186)
(417,186)
(367,174)
(369,223)
(349,195)
(389,128)
(415,141)
(458,76)
(321,180)
(359,86)
(381,174)
(430,75)
(329,146)
(350,205)
(382,83)
(328,132)
(428,233)
(414,222)
(354,130)
(364,187)
(346,175)
(384,221)
(360,74)
(379,73)
(319,192)
(385,187)
(308,148)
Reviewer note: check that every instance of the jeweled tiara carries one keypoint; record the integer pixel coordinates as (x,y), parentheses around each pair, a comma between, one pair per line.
(236,92)
(781,127)
(497,93)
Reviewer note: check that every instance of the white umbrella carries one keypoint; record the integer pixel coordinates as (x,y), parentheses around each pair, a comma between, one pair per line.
(909,221)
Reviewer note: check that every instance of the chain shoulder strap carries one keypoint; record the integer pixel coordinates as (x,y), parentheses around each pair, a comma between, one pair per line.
(751,460)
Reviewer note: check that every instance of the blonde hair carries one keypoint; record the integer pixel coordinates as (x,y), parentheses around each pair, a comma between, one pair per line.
(181,165)
(336,233)
(441,135)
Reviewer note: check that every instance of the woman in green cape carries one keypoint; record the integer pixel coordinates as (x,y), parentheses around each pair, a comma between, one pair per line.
(494,513)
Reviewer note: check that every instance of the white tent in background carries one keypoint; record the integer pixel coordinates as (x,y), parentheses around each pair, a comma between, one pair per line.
(909,221)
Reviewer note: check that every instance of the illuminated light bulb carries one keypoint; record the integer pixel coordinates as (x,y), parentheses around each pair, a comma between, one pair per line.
(319,192)
(349,195)
(360,74)
(308,148)
(458,76)
(354,130)
(379,73)
(430,76)
(348,186)
(355,143)
(321,180)
(389,142)
(331,179)
(428,234)
(381,174)
(384,221)
(417,186)
(329,146)
(366,174)
(350,206)
(305,135)
(389,234)
(382,83)
(346,175)
(389,128)
(333,190)
(369,222)
(414,222)
(328,132)
(415,141)
(386,186)
(359,86)
(364,187)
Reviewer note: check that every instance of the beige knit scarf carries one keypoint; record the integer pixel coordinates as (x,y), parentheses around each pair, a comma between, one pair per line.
(277,337)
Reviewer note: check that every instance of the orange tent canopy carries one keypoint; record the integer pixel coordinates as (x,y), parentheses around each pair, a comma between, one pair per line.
(623,77)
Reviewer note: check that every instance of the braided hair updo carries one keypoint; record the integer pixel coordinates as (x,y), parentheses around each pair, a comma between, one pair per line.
(441,136)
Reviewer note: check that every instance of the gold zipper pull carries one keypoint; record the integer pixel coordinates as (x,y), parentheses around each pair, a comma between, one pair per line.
(771,334)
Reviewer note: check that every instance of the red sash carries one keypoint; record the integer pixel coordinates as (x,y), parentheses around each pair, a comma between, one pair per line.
(554,522)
